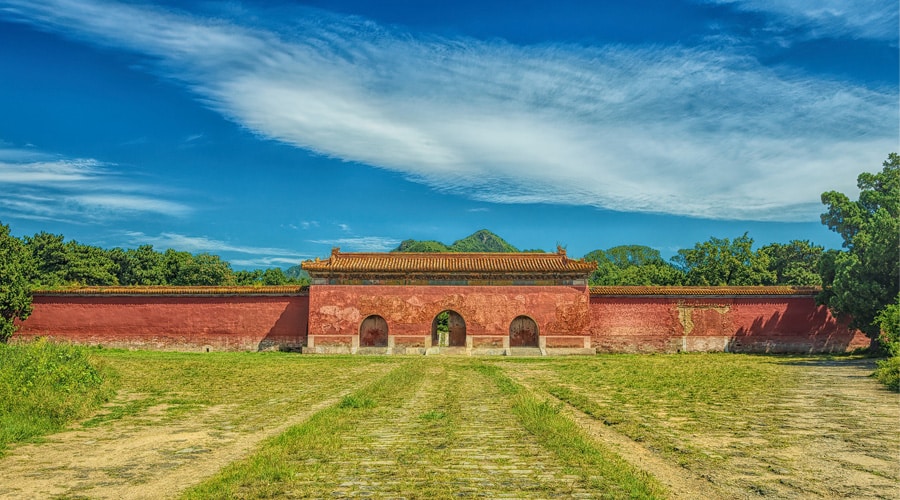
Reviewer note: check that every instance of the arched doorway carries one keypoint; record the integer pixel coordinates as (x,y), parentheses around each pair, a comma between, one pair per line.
(523,332)
(448,330)
(373,332)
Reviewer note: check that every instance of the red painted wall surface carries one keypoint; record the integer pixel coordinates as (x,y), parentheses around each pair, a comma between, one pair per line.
(736,324)
(172,322)
(410,310)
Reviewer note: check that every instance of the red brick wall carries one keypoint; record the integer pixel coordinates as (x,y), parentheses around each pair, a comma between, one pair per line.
(751,324)
(410,310)
(171,322)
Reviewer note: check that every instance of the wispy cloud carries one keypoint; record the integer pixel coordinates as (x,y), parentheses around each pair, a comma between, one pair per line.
(362,243)
(196,244)
(703,132)
(876,19)
(249,256)
(39,185)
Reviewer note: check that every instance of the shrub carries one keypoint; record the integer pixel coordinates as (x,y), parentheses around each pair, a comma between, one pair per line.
(888,373)
(44,386)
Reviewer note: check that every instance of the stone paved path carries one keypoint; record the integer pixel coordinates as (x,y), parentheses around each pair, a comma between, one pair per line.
(453,434)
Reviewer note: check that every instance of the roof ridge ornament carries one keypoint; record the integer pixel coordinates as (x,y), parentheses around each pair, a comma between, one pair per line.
(560,250)
(335,251)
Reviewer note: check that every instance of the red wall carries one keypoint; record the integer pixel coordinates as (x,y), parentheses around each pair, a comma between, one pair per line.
(752,324)
(337,310)
(333,313)
(172,322)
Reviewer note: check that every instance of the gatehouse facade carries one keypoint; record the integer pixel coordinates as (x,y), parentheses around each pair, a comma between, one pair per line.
(430,303)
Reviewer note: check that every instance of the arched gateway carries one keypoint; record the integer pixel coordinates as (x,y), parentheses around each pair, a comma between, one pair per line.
(448,330)
(373,332)
(504,297)
(523,332)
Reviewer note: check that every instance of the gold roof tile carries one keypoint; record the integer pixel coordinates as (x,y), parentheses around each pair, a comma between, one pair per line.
(448,263)
(703,290)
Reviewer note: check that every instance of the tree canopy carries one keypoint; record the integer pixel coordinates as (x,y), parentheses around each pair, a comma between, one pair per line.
(862,280)
(16,269)
(632,265)
(725,262)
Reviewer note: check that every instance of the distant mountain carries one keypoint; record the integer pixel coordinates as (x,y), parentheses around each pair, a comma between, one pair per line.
(294,272)
(480,241)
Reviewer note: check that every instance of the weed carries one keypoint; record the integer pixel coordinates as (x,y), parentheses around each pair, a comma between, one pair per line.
(44,386)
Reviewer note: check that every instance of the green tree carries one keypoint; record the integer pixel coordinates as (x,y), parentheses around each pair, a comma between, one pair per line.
(140,266)
(16,270)
(51,259)
(274,276)
(184,269)
(725,262)
(862,280)
(421,246)
(632,265)
(795,263)
(247,278)
(89,265)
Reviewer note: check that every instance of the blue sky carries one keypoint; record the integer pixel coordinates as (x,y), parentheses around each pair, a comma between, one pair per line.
(268,133)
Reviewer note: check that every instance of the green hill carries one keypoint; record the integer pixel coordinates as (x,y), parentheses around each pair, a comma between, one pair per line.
(480,241)
(294,272)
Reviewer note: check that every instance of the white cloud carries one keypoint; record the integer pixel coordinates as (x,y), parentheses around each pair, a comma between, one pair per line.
(195,244)
(361,244)
(38,185)
(697,132)
(250,256)
(876,19)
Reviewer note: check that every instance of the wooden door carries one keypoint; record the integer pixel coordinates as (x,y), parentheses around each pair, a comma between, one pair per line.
(373,332)
(523,332)
(457,326)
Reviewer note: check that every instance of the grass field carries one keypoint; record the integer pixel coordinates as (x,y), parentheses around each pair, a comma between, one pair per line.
(273,425)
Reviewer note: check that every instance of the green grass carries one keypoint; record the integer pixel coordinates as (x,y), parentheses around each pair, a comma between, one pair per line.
(606,472)
(44,386)
(183,383)
(315,444)
(662,400)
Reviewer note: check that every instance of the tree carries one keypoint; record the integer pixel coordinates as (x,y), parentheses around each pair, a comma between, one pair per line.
(632,265)
(16,270)
(184,269)
(421,246)
(862,280)
(89,265)
(51,259)
(795,263)
(725,262)
(141,266)
(274,276)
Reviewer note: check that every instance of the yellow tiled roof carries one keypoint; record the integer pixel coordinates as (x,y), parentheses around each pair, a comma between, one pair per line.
(448,263)
(704,290)
(177,290)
